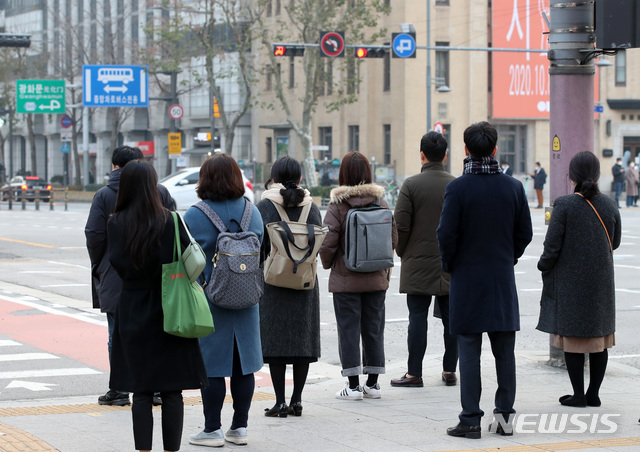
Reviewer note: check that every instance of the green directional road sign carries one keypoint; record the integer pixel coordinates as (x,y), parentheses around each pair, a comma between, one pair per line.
(40,96)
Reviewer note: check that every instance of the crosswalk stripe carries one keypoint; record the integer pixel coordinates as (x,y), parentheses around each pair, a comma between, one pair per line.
(48,373)
(27,356)
(8,342)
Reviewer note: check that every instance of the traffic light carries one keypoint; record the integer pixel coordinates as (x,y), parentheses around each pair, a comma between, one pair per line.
(369,52)
(288,50)
(9,40)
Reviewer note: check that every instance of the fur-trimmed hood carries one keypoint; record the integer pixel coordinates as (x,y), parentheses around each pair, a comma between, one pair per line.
(356,195)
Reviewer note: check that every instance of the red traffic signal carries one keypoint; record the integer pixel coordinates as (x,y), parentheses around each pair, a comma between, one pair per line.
(369,52)
(288,50)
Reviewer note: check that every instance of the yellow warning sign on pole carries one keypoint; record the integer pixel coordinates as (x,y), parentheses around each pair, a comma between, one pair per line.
(175,144)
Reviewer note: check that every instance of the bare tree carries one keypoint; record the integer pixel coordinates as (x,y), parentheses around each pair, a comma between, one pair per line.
(305,19)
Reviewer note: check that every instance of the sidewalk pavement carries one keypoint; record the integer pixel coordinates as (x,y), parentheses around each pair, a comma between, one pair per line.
(404,419)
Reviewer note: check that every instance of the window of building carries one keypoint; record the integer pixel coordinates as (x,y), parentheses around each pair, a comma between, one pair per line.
(442,2)
(135,27)
(292,73)
(325,138)
(269,149)
(442,110)
(278,7)
(386,78)
(354,138)
(512,147)
(621,68)
(268,8)
(387,143)
(442,65)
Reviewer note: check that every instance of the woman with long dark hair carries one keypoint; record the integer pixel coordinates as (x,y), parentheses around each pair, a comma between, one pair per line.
(145,359)
(234,349)
(289,318)
(358,298)
(578,294)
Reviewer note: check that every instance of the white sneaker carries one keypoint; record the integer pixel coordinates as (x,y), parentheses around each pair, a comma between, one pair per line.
(213,439)
(350,394)
(372,392)
(237,436)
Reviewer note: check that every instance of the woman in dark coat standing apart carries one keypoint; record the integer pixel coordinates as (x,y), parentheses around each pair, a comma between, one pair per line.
(145,359)
(578,294)
(289,318)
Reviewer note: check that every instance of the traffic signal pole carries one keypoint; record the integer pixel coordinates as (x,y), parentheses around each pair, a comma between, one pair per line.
(571,72)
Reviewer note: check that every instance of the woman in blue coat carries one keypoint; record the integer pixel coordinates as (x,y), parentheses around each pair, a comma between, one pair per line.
(234,350)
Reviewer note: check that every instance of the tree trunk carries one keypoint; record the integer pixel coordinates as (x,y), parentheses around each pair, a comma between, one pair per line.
(32,145)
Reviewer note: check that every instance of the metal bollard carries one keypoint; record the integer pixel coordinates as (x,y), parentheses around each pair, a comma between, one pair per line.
(37,199)
(24,200)
(10,198)
(52,193)
(66,199)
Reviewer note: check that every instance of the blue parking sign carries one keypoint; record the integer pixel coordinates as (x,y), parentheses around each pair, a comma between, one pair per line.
(403,45)
(115,86)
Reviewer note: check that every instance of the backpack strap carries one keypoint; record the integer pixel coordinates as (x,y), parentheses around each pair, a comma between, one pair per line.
(281,211)
(212,216)
(304,215)
(245,222)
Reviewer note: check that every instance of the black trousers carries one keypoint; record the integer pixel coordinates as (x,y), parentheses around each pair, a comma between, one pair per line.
(417,334)
(469,349)
(172,419)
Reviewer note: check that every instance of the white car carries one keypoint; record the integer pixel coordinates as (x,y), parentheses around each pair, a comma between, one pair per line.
(182,187)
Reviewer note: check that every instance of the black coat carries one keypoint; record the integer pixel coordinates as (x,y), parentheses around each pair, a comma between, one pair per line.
(143,357)
(484,228)
(289,319)
(578,293)
(105,282)
(539,179)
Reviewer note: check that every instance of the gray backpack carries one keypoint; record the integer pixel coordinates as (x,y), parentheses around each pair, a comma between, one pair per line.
(236,280)
(368,238)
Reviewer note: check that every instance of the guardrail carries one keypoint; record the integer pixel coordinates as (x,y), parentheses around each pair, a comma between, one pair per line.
(12,196)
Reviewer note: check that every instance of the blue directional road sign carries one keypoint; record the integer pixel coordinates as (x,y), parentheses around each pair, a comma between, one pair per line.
(65,148)
(598,109)
(403,45)
(115,86)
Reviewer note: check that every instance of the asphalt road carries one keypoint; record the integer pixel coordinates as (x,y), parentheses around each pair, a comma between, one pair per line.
(45,250)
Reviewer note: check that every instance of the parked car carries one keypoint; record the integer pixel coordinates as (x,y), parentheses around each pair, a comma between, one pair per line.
(28,184)
(182,187)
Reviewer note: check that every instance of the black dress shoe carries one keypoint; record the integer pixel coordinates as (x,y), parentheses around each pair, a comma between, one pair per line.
(501,429)
(449,379)
(465,431)
(573,400)
(113,397)
(407,382)
(280,410)
(295,409)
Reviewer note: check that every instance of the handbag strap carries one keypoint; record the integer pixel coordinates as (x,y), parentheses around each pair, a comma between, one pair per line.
(177,249)
(287,237)
(601,222)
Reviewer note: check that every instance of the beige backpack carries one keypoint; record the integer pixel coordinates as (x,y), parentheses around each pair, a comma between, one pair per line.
(292,259)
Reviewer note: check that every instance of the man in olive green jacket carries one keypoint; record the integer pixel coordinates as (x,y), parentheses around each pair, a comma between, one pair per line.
(417,217)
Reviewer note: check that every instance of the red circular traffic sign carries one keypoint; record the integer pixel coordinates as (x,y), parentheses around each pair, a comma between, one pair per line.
(66,121)
(438,127)
(332,43)
(176,111)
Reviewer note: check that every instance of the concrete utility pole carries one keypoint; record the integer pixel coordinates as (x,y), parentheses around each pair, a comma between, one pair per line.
(571,71)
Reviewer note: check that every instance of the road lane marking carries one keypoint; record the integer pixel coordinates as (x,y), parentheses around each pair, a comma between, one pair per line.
(70,265)
(30,385)
(65,285)
(51,310)
(27,356)
(627,290)
(28,243)
(47,373)
(8,342)
(41,271)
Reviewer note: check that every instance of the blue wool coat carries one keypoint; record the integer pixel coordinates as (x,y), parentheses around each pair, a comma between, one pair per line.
(243,324)
(484,228)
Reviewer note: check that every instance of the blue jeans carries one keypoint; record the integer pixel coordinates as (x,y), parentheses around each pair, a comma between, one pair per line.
(618,186)
(360,315)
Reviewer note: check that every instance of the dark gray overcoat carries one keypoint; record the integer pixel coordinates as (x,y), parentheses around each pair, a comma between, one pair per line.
(289,319)
(417,216)
(578,293)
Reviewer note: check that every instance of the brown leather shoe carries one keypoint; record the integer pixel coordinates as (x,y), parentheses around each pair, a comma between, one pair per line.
(449,379)
(407,382)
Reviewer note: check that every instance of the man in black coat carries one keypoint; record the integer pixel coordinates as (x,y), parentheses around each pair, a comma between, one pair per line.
(484,228)
(106,285)
(618,173)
